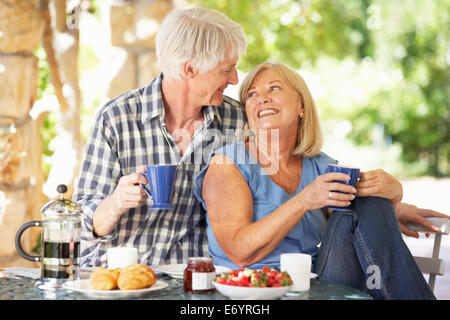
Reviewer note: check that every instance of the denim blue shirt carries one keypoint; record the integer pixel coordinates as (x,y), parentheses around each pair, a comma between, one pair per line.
(267,197)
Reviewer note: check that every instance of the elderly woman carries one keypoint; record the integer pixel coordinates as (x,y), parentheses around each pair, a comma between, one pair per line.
(266,196)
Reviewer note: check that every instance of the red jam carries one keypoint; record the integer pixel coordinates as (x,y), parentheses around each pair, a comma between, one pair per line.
(199,274)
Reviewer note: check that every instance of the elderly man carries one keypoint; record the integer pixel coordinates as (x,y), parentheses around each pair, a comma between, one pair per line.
(179,118)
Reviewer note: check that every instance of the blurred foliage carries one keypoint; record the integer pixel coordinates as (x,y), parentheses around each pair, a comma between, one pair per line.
(376,64)
(91,6)
(48,129)
(297,32)
(397,55)
(414,37)
(87,60)
(44,84)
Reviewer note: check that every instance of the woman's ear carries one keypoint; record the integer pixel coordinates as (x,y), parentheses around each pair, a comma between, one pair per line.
(189,71)
(301,112)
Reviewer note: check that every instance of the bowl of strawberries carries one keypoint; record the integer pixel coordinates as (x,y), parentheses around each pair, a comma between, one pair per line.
(251,284)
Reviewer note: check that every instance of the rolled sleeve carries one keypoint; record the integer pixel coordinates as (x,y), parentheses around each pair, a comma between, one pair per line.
(100,171)
(87,225)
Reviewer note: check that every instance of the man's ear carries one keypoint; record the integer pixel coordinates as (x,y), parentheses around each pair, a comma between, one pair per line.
(189,71)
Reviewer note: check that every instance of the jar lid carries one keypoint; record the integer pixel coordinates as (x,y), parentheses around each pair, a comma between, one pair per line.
(200,259)
(61,207)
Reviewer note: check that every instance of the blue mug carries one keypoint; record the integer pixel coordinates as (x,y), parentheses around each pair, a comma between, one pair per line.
(354,177)
(161,180)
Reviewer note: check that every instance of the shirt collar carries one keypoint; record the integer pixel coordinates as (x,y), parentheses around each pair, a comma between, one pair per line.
(153,105)
(152,102)
(211,112)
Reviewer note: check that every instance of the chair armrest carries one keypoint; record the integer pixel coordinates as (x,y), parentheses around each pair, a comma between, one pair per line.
(430,265)
(441,223)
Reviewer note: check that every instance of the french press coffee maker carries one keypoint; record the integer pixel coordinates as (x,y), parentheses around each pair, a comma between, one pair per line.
(60,256)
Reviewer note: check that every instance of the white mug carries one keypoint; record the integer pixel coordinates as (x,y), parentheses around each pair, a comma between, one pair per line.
(120,257)
(298,266)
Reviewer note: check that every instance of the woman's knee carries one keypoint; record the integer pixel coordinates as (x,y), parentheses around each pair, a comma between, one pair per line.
(374,204)
(376,211)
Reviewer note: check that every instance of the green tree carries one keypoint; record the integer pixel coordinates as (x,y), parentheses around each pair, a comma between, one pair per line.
(410,38)
(297,32)
(45,87)
(414,37)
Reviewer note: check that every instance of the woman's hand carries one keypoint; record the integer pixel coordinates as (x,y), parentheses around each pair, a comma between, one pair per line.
(317,194)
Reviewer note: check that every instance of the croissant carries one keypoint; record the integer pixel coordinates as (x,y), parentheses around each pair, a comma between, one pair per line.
(104,279)
(136,276)
(133,277)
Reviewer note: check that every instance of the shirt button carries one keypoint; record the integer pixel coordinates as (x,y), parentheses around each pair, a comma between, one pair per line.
(166,223)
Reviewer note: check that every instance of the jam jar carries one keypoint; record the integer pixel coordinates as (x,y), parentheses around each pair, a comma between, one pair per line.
(199,273)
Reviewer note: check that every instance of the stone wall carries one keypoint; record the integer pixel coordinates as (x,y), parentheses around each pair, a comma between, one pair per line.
(21,179)
(133,26)
(132,30)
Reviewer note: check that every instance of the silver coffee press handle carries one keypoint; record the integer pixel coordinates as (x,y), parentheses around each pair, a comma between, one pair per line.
(18,244)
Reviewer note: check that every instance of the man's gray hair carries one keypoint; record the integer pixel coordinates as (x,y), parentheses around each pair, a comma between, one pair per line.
(204,36)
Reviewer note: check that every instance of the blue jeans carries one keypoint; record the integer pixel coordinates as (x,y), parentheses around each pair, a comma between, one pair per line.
(364,249)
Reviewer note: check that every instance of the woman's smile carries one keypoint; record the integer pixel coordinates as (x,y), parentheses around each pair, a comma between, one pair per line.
(267,112)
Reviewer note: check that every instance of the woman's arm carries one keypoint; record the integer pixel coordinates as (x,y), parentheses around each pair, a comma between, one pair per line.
(229,205)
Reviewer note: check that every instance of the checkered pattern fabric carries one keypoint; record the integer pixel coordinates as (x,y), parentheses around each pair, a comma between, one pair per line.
(128,132)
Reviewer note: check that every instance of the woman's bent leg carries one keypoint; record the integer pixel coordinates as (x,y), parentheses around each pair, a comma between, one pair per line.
(337,260)
(365,249)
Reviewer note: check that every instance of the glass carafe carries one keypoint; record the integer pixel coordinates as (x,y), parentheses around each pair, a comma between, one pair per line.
(60,254)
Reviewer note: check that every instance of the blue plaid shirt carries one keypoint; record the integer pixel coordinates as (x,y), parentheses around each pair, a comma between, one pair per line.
(128,132)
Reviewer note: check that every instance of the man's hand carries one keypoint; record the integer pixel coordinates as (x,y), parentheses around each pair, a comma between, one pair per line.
(379,183)
(411,213)
(128,193)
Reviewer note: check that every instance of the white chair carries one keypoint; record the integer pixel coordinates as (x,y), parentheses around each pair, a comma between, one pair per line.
(433,266)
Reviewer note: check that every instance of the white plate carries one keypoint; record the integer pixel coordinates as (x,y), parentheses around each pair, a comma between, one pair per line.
(177,270)
(251,293)
(84,286)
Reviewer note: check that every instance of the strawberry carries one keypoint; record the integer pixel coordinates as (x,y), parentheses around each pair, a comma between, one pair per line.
(220,280)
(265,269)
(245,277)
(232,281)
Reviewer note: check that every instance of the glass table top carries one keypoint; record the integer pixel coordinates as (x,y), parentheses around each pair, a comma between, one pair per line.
(22,288)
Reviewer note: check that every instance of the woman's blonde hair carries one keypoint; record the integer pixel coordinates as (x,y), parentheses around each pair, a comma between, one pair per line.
(309,134)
